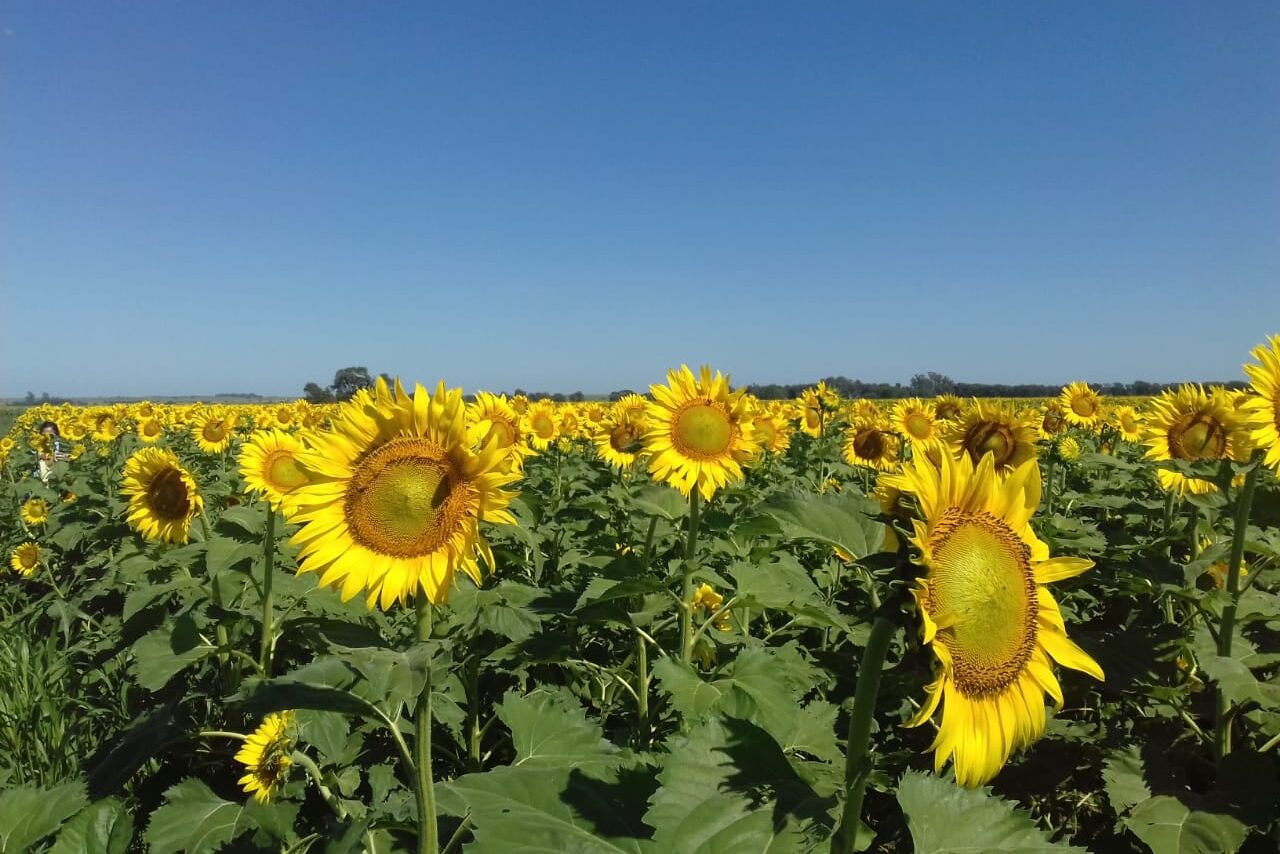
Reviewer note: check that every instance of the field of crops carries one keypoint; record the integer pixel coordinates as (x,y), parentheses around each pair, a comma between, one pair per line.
(685,622)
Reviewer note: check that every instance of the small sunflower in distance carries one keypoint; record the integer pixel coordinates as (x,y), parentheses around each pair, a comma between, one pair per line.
(150,430)
(772,432)
(25,559)
(269,465)
(1081,405)
(988,428)
(1069,449)
(871,444)
(213,432)
(266,756)
(985,611)
(813,417)
(162,495)
(1128,423)
(1192,424)
(914,419)
(948,407)
(1052,420)
(34,511)
(540,424)
(396,497)
(1264,409)
(619,442)
(700,433)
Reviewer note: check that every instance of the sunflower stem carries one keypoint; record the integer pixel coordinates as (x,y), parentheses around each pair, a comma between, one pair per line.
(313,771)
(268,623)
(428,831)
(1226,629)
(1048,507)
(857,764)
(220,629)
(686,600)
(1193,531)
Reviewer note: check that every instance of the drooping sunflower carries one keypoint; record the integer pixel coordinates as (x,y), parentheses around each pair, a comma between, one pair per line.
(266,756)
(620,442)
(872,444)
(985,611)
(1081,405)
(25,559)
(396,497)
(948,407)
(213,431)
(699,432)
(269,465)
(1191,424)
(540,424)
(1128,422)
(1263,410)
(162,495)
(34,511)
(914,419)
(491,418)
(989,428)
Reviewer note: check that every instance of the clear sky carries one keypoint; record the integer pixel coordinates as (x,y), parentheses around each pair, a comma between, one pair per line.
(244,196)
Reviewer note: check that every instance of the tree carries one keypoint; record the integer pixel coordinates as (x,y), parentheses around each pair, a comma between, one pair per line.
(348,381)
(577,397)
(315,393)
(926,385)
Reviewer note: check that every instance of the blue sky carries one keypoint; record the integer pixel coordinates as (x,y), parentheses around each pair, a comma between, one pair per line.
(198,198)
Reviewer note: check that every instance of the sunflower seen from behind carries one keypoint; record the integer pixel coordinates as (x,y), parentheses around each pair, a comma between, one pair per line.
(1263,411)
(986,614)
(162,494)
(396,496)
(699,433)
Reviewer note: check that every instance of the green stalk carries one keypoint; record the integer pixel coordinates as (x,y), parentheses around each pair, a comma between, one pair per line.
(1193,531)
(1049,492)
(1243,503)
(642,689)
(428,831)
(686,600)
(268,622)
(857,764)
(220,630)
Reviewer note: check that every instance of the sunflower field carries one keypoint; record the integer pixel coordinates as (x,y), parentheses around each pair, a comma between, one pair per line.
(690,621)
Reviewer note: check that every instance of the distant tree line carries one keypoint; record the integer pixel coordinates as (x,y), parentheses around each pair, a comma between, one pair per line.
(932,383)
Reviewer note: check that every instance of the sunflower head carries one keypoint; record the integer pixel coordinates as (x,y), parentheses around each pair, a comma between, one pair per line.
(871,444)
(989,428)
(985,611)
(1192,424)
(213,431)
(150,429)
(267,756)
(162,495)
(396,494)
(1069,449)
(772,432)
(699,432)
(25,559)
(34,511)
(914,419)
(491,418)
(541,424)
(269,465)
(948,407)
(1081,405)
(1052,420)
(619,442)
(1128,423)
(1262,409)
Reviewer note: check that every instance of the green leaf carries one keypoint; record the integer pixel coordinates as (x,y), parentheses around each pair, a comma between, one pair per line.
(195,820)
(278,694)
(1124,777)
(224,553)
(841,521)
(661,501)
(692,697)
(252,520)
(1169,826)
(944,819)
(549,728)
(29,814)
(160,655)
(104,827)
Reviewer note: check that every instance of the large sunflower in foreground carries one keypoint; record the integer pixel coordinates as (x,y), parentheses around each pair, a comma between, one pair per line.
(1264,410)
(1192,424)
(396,496)
(269,465)
(700,433)
(162,495)
(267,756)
(1081,405)
(988,428)
(985,612)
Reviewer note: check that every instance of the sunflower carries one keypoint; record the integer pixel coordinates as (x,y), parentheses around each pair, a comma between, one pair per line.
(813,417)
(491,418)
(619,442)
(871,444)
(948,407)
(1069,449)
(34,511)
(162,495)
(1128,422)
(985,612)
(150,430)
(772,432)
(6,447)
(396,496)
(25,559)
(570,425)
(269,465)
(707,601)
(1081,405)
(105,427)
(699,433)
(1053,420)
(266,756)
(540,424)
(1192,424)
(631,407)
(988,428)
(213,431)
(1264,410)
(914,419)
